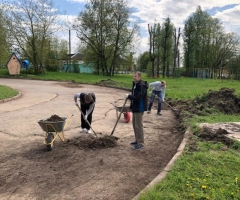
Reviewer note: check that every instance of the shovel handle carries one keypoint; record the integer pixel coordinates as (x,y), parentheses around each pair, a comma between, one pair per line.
(119,116)
(86,120)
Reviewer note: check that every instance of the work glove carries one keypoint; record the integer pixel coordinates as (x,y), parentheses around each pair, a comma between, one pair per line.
(126,96)
(85,117)
(76,103)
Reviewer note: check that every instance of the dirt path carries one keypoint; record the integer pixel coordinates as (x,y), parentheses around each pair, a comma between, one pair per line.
(29,171)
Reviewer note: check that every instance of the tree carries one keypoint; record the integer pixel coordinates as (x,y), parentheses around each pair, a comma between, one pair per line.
(4,47)
(152,35)
(206,45)
(167,46)
(142,61)
(158,48)
(104,27)
(176,50)
(30,24)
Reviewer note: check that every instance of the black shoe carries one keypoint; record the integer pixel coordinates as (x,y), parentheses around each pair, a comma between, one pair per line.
(133,143)
(159,113)
(137,146)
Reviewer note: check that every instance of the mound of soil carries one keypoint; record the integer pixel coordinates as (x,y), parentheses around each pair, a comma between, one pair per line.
(71,85)
(55,118)
(108,82)
(222,101)
(92,142)
(216,136)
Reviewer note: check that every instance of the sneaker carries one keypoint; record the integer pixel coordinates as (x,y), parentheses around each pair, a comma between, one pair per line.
(137,146)
(149,111)
(89,131)
(81,130)
(159,113)
(133,143)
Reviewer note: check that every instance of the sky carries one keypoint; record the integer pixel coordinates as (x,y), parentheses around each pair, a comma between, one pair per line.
(156,11)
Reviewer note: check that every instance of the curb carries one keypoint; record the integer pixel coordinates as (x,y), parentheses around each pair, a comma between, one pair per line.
(167,169)
(12,98)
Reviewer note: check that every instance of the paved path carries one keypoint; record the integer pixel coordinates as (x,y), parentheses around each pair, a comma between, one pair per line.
(41,99)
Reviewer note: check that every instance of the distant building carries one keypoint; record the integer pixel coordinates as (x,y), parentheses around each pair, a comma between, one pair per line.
(77,65)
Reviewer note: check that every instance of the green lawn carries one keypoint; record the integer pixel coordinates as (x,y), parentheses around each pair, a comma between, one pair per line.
(7,92)
(208,172)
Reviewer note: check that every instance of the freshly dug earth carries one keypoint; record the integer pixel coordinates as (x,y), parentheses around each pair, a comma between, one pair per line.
(222,101)
(55,118)
(93,142)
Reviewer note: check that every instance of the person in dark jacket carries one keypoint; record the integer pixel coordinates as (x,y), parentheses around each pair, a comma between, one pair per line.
(87,104)
(138,105)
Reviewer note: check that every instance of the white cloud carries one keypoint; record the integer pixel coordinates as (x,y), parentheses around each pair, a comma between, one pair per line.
(150,12)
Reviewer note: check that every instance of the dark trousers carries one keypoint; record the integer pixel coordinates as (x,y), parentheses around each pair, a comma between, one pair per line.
(84,124)
(154,93)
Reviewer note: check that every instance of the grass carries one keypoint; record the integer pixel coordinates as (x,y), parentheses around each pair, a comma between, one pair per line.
(209,172)
(7,92)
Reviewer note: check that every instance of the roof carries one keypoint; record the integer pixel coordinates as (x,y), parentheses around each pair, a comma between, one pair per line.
(13,54)
(77,56)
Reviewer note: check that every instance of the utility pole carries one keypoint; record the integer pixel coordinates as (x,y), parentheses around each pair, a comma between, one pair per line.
(69,48)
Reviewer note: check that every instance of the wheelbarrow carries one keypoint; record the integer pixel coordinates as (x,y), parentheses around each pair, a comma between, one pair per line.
(49,127)
(125,110)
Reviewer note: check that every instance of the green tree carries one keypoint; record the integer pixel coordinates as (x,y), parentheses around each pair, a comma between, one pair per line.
(30,26)
(5,51)
(142,61)
(105,28)
(206,44)
(167,46)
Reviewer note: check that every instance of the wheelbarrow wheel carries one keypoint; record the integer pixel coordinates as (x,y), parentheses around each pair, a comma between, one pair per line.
(49,139)
(127,117)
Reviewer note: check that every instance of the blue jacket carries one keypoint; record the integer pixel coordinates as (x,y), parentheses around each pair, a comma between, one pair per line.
(139,96)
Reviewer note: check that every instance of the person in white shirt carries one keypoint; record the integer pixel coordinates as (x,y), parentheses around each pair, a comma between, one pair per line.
(159,88)
(87,104)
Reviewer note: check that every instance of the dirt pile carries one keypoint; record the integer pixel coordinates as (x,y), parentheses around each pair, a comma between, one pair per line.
(221,101)
(108,82)
(224,101)
(92,142)
(55,118)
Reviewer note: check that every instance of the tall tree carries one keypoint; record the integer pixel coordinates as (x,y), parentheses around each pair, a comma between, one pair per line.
(142,61)
(167,46)
(4,46)
(105,27)
(206,44)
(152,35)
(176,50)
(30,24)
(158,48)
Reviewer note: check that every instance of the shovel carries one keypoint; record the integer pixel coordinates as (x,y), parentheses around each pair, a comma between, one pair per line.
(119,115)
(86,120)
(174,109)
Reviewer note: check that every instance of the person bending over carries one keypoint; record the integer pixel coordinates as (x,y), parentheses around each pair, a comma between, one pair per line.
(159,88)
(87,104)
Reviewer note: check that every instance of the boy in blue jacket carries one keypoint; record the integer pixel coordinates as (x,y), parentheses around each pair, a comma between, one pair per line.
(138,106)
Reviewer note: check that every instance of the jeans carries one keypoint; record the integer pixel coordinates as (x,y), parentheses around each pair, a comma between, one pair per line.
(154,93)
